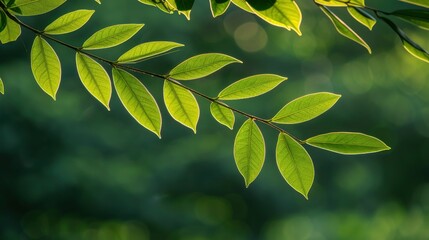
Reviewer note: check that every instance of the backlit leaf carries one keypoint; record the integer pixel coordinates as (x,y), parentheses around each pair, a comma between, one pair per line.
(347,143)
(111,36)
(182,105)
(95,78)
(69,22)
(11,32)
(243,5)
(35,7)
(306,108)
(251,86)
(344,29)
(182,6)
(295,164)
(363,17)
(1,86)
(218,7)
(163,5)
(138,101)
(3,20)
(98,1)
(201,65)
(249,151)
(414,16)
(223,115)
(341,3)
(421,3)
(45,66)
(146,50)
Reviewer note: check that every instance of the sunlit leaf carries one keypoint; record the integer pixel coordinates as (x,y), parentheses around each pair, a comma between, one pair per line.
(414,16)
(251,86)
(363,17)
(95,78)
(344,29)
(243,5)
(223,115)
(249,151)
(1,86)
(138,101)
(347,143)
(182,105)
(306,108)
(35,7)
(341,3)
(98,1)
(11,32)
(294,164)
(69,22)
(218,7)
(45,66)
(111,36)
(201,65)
(421,3)
(160,4)
(182,6)
(147,50)
(3,20)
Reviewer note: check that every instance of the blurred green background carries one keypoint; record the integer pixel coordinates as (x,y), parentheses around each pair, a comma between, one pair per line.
(72,170)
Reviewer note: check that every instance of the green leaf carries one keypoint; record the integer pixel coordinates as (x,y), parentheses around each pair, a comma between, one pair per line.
(341,3)
(414,16)
(363,17)
(243,5)
(95,78)
(347,143)
(69,22)
(219,7)
(160,4)
(147,50)
(409,45)
(46,66)
(3,20)
(295,164)
(421,3)
(182,105)
(35,7)
(1,86)
(223,115)
(182,6)
(111,36)
(11,32)
(9,3)
(201,65)
(344,29)
(249,151)
(251,86)
(138,101)
(281,13)
(306,108)
(98,1)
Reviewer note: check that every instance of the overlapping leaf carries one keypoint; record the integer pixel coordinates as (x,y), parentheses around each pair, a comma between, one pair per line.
(414,16)
(363,17)
(251,86)
(35,7)
(243,5)
(421,3)
(182,105)
(295,164)
(306,108)
(249,151)
(163,5)
(69,22)
(45,66)
(3,20)
(201,65)
(95,78)
(11,32)
(147,50)
(111,36)
(347,143)
(341,3)
(218,7)
(138,101)
(223,115)
(182,6)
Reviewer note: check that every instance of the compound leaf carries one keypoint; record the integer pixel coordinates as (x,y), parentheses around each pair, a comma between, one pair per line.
(251,86)
(146,50)
(249,151)
(137,100)
(182,105)
(35,7)
(306,108)
(111,36)
(223,115)
(46,66)
(349,143)
(295,164)
(69,22)
(218,7)
(95,78)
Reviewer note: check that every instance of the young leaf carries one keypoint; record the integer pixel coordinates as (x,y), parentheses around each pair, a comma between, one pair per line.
(69,22)
(306,108)
(251,86)
(363,17)
(414,16)
(421,3)
(111,36)
(11,32)
(3,20)
(347,143)
(294,164)
(95,78)
(223,115)
(1,86)
(138,101)
(218,7)
(35,7)
(146,50)
(182,105)
(201,65)
(343,28)
(46,66)
(249,151)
